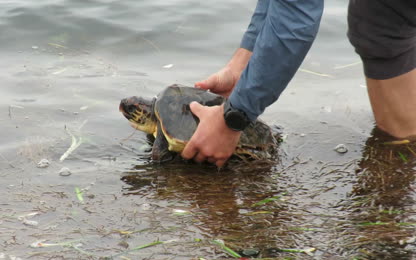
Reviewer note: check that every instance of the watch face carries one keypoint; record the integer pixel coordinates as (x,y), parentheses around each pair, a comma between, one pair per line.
(235,120)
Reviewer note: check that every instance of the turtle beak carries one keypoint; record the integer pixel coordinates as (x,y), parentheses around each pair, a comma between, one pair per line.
(123,109)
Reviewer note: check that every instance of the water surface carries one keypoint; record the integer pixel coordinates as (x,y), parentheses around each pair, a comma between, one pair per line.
(65,65)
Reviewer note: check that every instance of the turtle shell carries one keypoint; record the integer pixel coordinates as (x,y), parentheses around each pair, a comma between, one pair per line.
(178,123)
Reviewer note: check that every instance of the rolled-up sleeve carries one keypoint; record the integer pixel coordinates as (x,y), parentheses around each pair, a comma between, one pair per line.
(287,33)
(256,24)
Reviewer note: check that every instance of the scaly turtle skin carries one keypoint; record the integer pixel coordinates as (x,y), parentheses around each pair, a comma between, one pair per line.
(169,119)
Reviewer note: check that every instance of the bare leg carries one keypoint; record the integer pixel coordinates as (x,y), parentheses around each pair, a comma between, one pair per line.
(394,104)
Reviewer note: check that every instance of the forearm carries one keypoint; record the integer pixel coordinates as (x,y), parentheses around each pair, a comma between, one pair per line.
(287,34)
(239,62)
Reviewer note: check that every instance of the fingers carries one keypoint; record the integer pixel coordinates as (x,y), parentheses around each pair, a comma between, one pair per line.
(209,83)
(201,84)
(220,163)
(196,109)
(200,158)
(211,160)
(189,151)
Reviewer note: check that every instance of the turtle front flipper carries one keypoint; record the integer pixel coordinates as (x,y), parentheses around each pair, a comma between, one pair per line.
(160,151)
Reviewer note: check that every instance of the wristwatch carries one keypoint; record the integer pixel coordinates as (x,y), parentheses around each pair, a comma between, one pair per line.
(234,118)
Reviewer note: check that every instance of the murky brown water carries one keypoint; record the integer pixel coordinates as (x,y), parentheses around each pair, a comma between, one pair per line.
(65,66)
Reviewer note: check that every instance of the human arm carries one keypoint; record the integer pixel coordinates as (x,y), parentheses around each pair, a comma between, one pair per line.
(286,36)
(223,81)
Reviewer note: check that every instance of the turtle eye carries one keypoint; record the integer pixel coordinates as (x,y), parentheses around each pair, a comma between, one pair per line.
(131,109)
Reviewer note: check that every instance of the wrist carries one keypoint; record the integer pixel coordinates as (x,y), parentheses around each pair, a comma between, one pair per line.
(234,118)
(238,63)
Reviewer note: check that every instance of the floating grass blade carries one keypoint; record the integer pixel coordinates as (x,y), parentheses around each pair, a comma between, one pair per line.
(78,192)
(258,213)
(225,248)
(307,251)
(267,200)
(397,142)
(137,248)
(316,73)
(403,157)
(379,223)
(40,244)
(147,245)
(75,143)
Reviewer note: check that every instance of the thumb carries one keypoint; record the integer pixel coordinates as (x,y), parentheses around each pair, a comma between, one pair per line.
(196,108)
(210,83)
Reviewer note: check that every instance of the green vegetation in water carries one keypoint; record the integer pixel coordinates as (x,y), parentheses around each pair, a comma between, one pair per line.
(308,251)
(304,229)
(79,193)
(267,200)
(403,157)
(379,223)
(258,213)
(70,244)
(136,249)
(225,248)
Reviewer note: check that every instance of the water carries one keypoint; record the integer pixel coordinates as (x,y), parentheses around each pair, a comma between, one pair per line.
(65,65)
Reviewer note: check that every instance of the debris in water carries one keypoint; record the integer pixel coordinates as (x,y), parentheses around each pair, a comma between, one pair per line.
(25,219)
(403,157)
(79,194)
(40,244)
(397,142)
(30,222)
(226,249)
(168,66)
(341,148)
(251,252)
(327,109)
(139,248)
(308,251)
(407,241)
(43,163)
(75,143)
(58,71)
(65,172)
(180,212)
(11,257)
(347,65)
(267,200)
(145,206)
(316,73)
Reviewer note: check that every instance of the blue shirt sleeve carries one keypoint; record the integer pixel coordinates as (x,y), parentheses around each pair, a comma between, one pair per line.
(289,28)
(256,23)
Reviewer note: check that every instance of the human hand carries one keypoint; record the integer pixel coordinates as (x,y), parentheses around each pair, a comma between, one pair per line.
(212,141)
(221,82)
(224,81)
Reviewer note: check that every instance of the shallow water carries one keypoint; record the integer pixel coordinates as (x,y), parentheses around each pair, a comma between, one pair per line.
(65,66)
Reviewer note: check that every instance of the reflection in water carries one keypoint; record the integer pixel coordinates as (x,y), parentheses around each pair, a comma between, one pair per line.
(222,202)
(375,221)
(383,199)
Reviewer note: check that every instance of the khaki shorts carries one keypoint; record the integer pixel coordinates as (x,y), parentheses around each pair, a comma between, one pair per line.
(383,33)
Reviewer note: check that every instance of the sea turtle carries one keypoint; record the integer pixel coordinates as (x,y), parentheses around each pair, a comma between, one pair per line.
(169,119)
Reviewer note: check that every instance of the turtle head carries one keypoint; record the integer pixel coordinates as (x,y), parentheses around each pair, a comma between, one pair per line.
(139,112)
